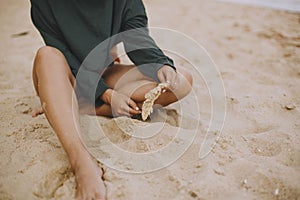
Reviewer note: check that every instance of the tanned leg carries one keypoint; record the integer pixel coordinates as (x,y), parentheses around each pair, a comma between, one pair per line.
(128,80)
(54,84)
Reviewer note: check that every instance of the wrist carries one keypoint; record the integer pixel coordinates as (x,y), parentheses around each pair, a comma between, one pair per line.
(81,159)
(106,96)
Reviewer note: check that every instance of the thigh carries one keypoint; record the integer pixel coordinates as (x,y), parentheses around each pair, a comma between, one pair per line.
(119,75)
(41,65)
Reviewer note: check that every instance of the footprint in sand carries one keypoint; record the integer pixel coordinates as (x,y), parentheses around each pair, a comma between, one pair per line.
(260,128)
(52,182)
(116,185)
(263,147)
(24,104)
(23,108)
(5,195)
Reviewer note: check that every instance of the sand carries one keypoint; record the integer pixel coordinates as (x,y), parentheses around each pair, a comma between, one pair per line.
(257,156)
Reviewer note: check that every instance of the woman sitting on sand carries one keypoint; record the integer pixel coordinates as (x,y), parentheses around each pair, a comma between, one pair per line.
(71,29)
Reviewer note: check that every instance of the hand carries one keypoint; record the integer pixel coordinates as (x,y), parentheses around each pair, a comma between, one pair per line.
(89,181)
(167,74)
(121,105)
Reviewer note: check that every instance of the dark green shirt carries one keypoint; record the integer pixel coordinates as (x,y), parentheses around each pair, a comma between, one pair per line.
(76,27)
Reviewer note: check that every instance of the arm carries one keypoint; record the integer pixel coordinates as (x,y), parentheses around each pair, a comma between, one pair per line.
(53,37)
(141,48)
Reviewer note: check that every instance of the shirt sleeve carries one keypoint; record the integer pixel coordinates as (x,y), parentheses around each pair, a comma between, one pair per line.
(139,45)
(52,37)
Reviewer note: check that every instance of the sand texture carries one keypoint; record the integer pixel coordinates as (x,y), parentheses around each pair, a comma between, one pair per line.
(257,51)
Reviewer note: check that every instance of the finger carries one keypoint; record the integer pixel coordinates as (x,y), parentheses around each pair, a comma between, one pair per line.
(121,111)
(133,105)
(134,112)
(126,110)
(134,109)
(125,113)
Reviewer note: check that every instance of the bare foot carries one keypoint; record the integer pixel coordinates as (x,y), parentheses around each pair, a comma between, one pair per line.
(90,185)
(37,111)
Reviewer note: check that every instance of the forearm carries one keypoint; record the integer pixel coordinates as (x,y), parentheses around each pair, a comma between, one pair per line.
(74,148)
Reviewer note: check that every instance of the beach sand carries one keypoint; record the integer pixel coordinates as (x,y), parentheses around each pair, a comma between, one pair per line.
(257,51)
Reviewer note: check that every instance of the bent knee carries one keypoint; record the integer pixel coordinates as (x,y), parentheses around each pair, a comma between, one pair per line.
(47,52)
(186,81)
(49,58)
(186,75)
